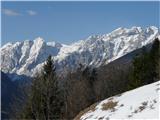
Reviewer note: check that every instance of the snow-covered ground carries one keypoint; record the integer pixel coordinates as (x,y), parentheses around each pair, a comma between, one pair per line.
(140,103)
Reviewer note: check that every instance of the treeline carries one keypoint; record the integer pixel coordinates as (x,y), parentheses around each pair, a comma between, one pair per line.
(51,97)
(146,68)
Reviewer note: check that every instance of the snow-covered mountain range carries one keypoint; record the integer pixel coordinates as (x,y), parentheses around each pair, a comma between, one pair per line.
(141,103)
(27,57)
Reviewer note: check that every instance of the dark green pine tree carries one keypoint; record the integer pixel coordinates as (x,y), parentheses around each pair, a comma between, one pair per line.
(45,101)
(90,75)
(140,73)
(92,79)
(155,61)
(145,67)
(134,77)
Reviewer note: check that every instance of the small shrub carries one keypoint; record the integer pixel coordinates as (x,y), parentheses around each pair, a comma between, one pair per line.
(136,111)
(121,105)
(141,108)
(154,101)
(144,103)
(151,106)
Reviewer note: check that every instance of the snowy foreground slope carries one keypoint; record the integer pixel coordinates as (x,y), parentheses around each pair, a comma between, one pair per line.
(27,57)
(140,103)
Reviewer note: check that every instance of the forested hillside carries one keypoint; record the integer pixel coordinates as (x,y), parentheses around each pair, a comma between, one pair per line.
(53,97)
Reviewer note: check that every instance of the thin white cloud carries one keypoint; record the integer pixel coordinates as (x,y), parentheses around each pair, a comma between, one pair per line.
(10,12)
(31,12)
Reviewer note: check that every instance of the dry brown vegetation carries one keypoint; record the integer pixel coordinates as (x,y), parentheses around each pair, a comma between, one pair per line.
(141,108)
(91,108)
(110,105)
(136,111)
(144,103)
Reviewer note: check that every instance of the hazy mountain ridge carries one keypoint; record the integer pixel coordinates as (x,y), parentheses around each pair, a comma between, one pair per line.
(27,57)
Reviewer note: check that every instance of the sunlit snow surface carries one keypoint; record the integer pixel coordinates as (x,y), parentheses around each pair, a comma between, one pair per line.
(140,103)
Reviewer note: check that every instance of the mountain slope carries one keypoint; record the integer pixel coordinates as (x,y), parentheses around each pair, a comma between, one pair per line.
(9,91)
(27,57)
(23,57)
(140,103)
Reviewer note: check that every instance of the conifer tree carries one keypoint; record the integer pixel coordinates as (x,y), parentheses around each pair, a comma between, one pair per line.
(145,67)
(45,101)
(90,76)
(155,60)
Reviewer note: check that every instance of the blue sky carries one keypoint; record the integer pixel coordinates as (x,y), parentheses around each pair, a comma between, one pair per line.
(67,22)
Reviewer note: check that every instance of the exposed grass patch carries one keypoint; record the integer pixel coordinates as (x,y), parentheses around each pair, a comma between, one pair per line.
(110,105)
(91,108)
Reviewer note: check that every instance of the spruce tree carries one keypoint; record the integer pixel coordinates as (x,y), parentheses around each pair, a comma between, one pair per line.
(45,101)
(155,60)
(145,67)
(90,76)
(92,79)
(134,75)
